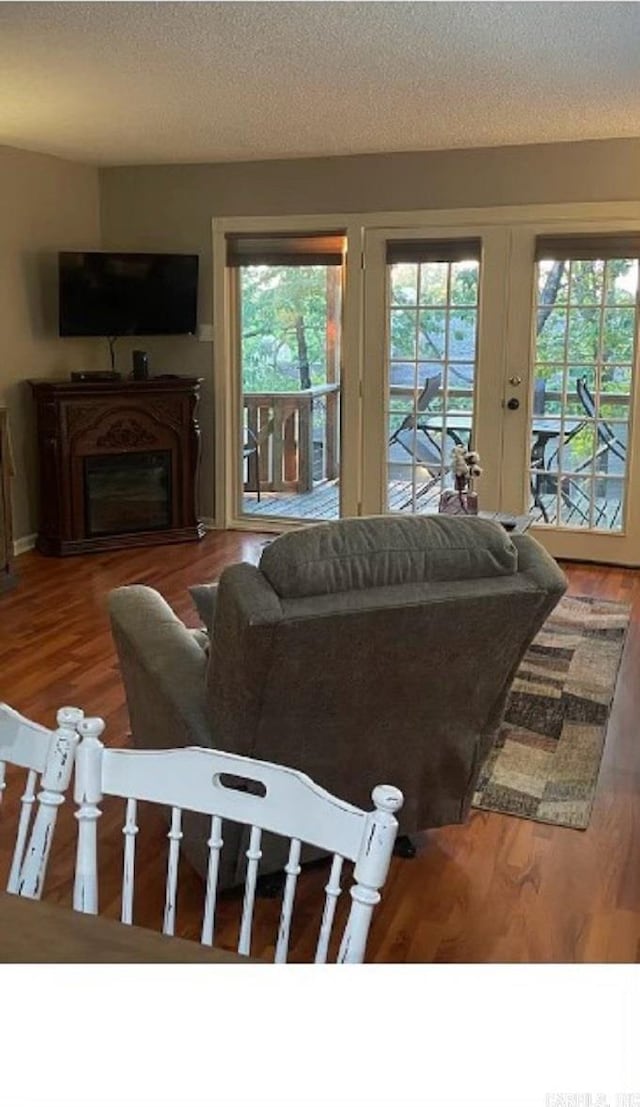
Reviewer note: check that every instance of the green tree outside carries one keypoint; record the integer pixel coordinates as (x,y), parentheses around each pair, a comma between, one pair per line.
(283,327)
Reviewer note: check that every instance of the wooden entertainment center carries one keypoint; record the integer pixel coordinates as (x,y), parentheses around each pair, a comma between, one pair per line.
(118,463)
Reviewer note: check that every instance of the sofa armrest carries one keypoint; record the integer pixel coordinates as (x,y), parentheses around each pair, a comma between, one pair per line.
(244,591)
(539,566)
(550,583)
(163,669)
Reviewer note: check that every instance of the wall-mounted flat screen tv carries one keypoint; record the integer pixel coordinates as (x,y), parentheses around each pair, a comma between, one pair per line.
(109,295)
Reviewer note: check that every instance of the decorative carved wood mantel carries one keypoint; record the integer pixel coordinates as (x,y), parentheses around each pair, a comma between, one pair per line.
(137,424)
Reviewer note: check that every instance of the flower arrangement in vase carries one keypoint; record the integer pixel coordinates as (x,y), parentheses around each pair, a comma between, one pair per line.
(463,500)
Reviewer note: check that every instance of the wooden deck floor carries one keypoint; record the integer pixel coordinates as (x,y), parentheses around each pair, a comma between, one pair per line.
(497,889)
(324,502)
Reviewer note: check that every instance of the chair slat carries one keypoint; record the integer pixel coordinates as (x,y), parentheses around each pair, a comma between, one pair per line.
(292,869)
(254,853)
(129,830)
(333,891)
(215,844)
(27,801)
(174,836)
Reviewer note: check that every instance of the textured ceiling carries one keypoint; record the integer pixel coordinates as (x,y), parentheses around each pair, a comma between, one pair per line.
(118,83)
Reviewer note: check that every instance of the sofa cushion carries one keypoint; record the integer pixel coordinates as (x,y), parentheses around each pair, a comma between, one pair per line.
(205,597)
(384,550)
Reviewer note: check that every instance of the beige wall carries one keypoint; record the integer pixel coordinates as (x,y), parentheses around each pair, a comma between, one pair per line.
(46,205)
(170,207)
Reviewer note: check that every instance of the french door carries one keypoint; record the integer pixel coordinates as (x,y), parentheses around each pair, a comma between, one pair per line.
(435,324)
(576,360)
(518,342)
(353,352)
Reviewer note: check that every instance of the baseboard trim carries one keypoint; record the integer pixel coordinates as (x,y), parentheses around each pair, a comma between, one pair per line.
(23,545)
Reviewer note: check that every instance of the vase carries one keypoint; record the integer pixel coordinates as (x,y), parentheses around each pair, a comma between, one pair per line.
(463,502)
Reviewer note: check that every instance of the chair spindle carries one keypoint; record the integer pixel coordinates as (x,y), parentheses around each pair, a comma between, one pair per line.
(130,829)
(174,836)
(254,853)
(215,844)
(27,801)
(292,869)
(332,893)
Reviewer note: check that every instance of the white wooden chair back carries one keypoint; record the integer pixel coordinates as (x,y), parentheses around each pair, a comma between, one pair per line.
(290,805)
(49,755)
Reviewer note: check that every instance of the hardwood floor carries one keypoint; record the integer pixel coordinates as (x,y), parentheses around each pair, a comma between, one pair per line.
(497,889)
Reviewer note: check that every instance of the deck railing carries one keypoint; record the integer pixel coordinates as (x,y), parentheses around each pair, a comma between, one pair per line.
(282,426)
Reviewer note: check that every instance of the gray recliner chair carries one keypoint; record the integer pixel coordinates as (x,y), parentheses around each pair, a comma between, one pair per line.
(365,651)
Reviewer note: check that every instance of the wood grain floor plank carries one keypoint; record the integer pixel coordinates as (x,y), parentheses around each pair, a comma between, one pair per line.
(497,889)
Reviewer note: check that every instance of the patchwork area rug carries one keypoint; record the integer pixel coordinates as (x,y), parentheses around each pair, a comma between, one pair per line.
(545,763)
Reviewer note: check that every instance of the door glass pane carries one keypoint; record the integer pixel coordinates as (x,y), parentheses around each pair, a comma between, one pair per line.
(289,319)
(431,363)
(585,349)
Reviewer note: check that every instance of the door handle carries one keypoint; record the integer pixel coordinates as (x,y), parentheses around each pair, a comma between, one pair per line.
(513,404)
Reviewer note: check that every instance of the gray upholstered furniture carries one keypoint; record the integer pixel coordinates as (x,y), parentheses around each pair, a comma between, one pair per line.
(360,651)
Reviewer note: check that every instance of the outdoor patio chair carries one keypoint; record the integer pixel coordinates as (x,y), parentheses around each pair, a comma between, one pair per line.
(415,437)
(607,437)
(544,478)
(544,459)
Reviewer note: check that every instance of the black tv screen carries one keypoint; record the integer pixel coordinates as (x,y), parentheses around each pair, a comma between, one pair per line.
(109,294)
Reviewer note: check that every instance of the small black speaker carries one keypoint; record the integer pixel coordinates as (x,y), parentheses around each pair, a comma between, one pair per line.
(140,365)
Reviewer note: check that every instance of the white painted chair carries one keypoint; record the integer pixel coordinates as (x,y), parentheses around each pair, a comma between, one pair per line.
(50,755)
(290,805)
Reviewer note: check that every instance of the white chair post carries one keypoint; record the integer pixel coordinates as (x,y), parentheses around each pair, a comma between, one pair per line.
(54,782)
(88,794)
(27,800)
(370,871)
